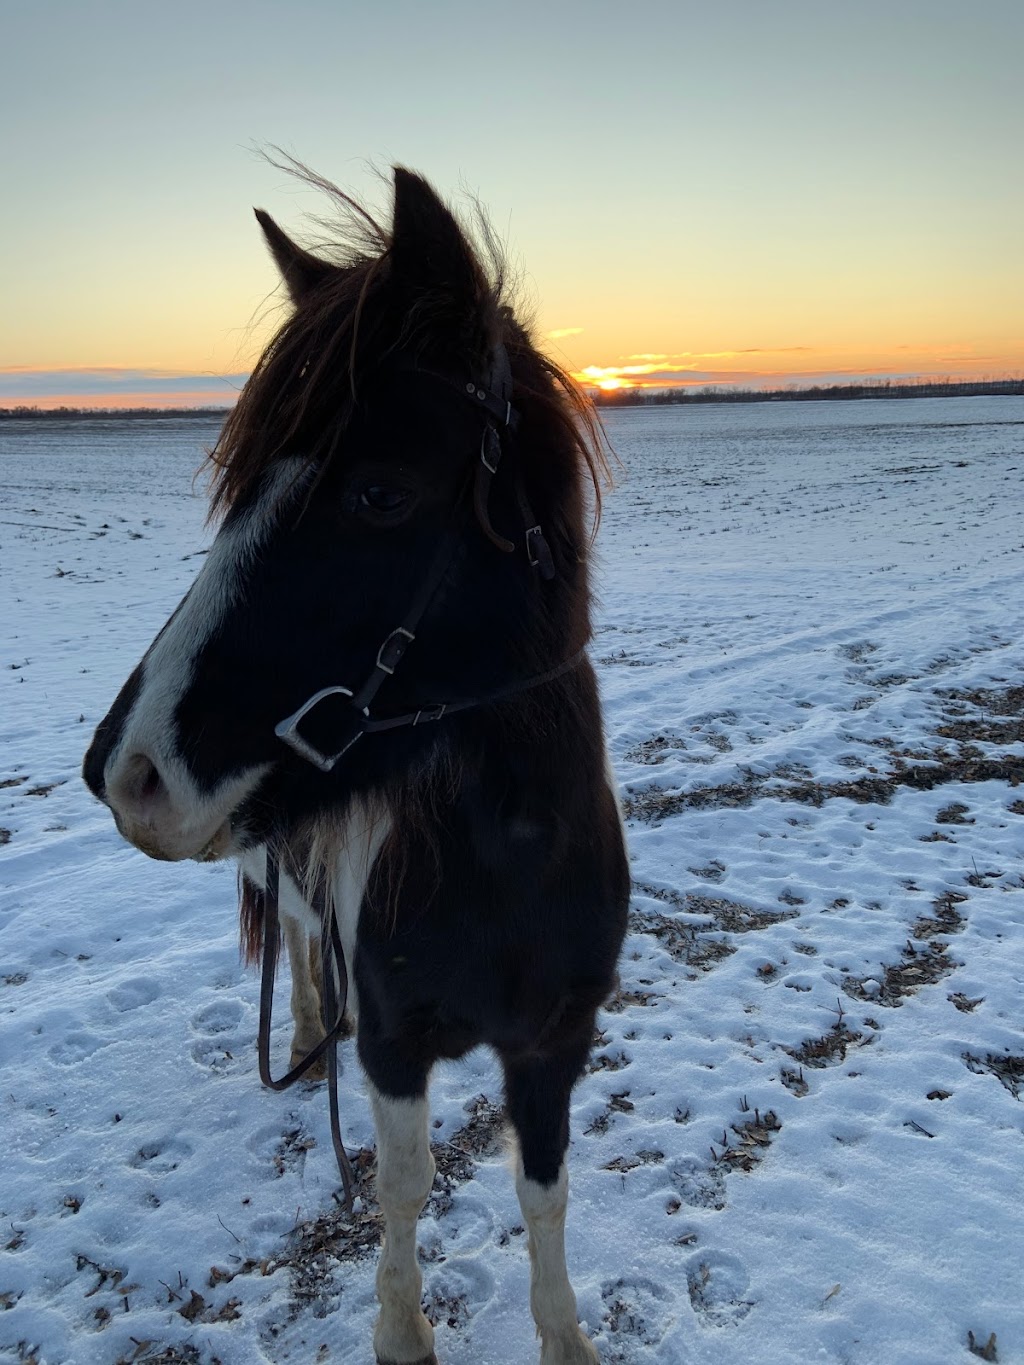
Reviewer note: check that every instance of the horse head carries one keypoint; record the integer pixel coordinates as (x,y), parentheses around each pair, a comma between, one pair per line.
(401,534)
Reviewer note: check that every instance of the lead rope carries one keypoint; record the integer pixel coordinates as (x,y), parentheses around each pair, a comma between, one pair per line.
(334,1000)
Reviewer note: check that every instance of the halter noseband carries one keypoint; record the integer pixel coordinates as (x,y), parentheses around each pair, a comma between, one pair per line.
(495,401)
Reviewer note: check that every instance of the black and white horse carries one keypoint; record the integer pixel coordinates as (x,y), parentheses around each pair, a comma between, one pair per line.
(377,684)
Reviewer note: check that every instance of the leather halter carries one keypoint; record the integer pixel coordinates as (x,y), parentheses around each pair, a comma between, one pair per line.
(496,402)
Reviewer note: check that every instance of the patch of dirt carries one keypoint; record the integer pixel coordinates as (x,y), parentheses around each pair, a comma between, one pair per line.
(829,1049)
(316,1247)
(917,967)
(12,781)
(857,653)
(729,916)
(953,814)
(984,715)
(963,1003)
(1008,1069)
(794,1081)
(714,872)
(654,750)
(699,945)
(149,1353)
(681,941)
(291,1150)
(617,1103)
(984,1350)
(634,1160)
(942,767)
(608,1061)
(5,837)
(946,919)
(482,1136)
(749,1142)
(44,788)
(629,998)
(452,1309)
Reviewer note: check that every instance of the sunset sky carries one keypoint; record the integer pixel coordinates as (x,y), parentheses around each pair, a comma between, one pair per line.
(745,193)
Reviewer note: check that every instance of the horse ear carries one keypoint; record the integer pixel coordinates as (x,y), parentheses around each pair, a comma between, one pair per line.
(429,250)
(300,270)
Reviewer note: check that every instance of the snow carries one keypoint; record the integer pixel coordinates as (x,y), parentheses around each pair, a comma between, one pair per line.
(796,601)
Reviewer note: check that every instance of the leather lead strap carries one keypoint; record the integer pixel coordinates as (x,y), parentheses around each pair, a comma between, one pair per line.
(334,1001)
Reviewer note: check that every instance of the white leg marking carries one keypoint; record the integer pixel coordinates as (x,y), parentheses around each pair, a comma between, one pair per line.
(365,832)
(353,851)
(306,1013)
(405,1173)
(552,1301)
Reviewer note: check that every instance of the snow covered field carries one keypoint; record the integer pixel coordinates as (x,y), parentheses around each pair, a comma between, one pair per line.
(802,1139)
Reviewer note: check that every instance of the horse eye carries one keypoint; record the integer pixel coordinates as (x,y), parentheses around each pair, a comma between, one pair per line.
(384,499)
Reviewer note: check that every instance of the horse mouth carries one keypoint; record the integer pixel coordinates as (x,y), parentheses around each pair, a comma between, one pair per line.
(219,846)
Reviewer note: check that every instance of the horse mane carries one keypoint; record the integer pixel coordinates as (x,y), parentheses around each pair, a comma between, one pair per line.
(303,388)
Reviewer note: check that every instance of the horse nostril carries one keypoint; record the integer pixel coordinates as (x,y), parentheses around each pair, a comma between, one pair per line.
(151,783)
(136,787)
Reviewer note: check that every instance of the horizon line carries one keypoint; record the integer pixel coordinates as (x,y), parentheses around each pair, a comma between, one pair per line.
(619,396)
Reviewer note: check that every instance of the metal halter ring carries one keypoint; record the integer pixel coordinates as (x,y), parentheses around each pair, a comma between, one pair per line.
(288,731)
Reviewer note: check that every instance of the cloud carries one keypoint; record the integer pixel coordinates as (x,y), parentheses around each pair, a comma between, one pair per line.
(85,385)
(561,332)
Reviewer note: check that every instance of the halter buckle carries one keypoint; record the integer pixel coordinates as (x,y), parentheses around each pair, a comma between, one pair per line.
(538,552)
(428,713)
(490,449)
(287,730)
(389,656)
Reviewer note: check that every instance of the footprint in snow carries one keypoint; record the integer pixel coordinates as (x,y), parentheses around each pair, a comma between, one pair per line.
(467,1227)
(700,1186)
(76,1047)
(160,1156)
(219,1017)
(719,1289)
(637,1315)
(130,995)
(457,1290)
(214,1055)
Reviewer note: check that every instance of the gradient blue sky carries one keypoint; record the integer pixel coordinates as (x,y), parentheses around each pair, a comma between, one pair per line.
(741,193)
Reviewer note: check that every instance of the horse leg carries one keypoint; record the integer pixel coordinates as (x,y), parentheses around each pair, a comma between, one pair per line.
(405,1173)
(303,951)
(537,1094)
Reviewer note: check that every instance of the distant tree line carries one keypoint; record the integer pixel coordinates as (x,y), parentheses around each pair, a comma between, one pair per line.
(84,414)
(882,388)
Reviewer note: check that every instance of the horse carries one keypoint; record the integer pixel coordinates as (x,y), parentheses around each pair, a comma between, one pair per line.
(376,697)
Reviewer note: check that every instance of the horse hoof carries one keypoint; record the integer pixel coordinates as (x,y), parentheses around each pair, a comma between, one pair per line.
(317,1072)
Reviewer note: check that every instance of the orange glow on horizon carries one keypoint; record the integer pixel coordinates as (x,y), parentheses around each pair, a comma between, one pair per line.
(795,367)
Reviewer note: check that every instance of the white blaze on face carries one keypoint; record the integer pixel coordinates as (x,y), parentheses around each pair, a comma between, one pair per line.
(156,802)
